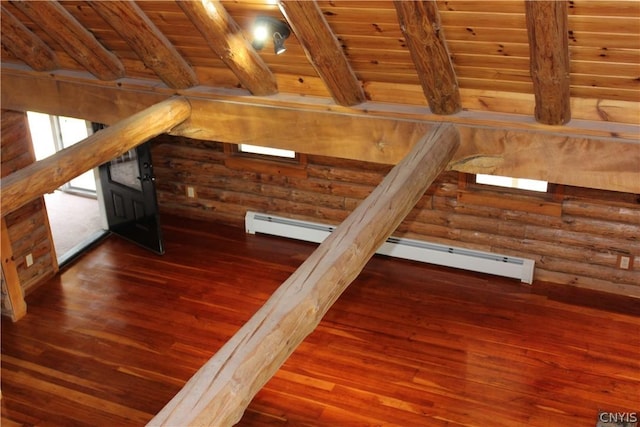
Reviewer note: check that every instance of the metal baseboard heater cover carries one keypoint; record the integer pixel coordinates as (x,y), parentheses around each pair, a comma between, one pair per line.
(416,250)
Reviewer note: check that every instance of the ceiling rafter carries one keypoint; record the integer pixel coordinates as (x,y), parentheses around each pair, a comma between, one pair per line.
(422,29)
(147,41)
(547,26)
(225,38)
(26,45)
(73,38)
(323,51)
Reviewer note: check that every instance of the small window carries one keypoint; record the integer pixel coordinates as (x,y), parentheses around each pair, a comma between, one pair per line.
(267,151)
(274,161)
(509,182)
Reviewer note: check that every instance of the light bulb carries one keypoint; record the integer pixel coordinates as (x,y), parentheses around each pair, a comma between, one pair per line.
(261,33)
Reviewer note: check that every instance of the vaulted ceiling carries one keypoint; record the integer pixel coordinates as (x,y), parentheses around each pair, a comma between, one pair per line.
(537,87)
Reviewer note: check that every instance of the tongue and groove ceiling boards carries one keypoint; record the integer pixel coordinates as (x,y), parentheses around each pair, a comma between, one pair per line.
(562,73)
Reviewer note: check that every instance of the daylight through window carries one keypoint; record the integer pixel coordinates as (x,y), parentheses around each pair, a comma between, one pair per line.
(509,182)
(50,134)
(276,152)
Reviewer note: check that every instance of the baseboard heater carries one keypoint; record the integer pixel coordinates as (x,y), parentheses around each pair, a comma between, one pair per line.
(416,250)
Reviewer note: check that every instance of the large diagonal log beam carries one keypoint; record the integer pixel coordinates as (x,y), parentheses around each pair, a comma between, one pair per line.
(221,390)
(25,45)
(75,39)
(147,41)
(224,37)
(547,25)
(422,29)
(46,175)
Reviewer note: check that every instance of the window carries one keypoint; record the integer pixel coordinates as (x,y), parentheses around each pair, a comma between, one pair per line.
(509,182)
(267,151)
(273,161)
(44,143)
(51,134)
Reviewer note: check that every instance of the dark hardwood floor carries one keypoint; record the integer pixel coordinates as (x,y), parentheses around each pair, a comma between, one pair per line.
(111,339)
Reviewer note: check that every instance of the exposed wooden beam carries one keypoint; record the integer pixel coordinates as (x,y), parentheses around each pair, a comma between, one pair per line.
(147,41)
(76,41)
(46,175)
(420,24)
(224,37)
(220,391)
(323,50)
(500,149)
(583,153)
(25,45)
(547,25)
(111,100)
(15,296)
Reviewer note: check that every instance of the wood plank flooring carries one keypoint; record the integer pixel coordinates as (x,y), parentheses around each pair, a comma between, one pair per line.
(110,340)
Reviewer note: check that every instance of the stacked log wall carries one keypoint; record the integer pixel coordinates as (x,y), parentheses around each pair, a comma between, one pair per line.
(27,227)
(575,238)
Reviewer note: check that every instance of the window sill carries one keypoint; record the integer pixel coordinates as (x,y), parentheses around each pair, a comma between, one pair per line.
(511,202)
(266,166)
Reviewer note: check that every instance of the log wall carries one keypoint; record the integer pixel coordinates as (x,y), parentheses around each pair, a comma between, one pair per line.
(575,236)
(28,227)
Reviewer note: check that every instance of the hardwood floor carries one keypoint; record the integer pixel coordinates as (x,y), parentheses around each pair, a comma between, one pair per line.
(110,340)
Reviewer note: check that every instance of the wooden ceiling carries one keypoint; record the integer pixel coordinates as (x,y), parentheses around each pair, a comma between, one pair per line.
(557,68)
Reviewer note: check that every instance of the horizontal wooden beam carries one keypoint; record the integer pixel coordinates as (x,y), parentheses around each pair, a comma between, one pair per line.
(578,161)
(603,119)
(220,391)
(50,173)
(583,153)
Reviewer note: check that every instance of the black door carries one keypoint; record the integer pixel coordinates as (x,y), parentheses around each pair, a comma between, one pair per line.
(130,198)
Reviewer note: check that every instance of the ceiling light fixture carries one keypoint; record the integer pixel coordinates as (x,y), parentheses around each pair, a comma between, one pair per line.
(265,27)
